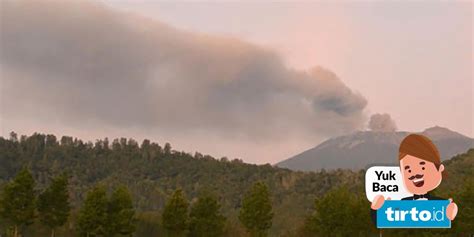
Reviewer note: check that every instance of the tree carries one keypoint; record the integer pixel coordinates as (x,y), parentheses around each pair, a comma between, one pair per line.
(333,209)
(92,217)
(13,137)
(121,214)
(205,218)
(17,202)
(53,204)
(256,213)
(167,149)
(175,214)
(464,222)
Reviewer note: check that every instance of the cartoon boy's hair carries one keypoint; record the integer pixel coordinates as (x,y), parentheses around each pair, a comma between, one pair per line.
(421,147)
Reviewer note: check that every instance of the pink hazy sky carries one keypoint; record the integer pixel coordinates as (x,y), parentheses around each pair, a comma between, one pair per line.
(412,60)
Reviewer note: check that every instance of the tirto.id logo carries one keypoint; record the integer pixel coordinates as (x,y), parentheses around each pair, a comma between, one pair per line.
(413,214)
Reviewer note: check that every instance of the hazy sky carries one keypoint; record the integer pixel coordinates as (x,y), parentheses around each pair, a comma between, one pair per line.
(92,71)
(411,59)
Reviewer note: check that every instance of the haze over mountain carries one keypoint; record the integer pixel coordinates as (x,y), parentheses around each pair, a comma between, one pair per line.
(130,76)
(363,148)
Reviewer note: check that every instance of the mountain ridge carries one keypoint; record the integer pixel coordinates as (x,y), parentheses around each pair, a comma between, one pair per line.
(361,149)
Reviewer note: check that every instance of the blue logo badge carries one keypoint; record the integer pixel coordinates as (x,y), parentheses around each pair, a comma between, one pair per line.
(413,214)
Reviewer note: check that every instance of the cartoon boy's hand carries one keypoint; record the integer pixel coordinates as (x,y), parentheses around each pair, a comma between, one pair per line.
(378,202)
(452,210)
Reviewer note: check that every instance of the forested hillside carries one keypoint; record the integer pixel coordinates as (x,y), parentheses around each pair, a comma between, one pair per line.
(153,172)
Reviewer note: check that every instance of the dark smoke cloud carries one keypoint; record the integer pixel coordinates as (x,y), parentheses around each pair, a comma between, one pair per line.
(77,62)
(382,123)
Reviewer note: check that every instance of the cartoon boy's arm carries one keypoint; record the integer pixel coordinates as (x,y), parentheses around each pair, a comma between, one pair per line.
(451,210)
(376,204)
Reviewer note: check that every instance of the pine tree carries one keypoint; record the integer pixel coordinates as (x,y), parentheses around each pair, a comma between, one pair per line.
(175,214)
(92,217)
(205,219)
(336,205)
(464,221)
(167,149)
(256,213)
(121,214)
(17,201)
(53,204)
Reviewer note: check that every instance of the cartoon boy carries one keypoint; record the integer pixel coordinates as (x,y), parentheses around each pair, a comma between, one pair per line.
(421,170)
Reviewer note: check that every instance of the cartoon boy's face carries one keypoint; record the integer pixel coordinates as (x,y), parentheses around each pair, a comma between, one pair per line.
(420,176)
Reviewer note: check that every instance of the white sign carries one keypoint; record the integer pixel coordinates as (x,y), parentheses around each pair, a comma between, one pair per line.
(386,181)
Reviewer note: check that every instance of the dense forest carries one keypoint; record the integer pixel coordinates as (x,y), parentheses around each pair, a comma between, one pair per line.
(148,189)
